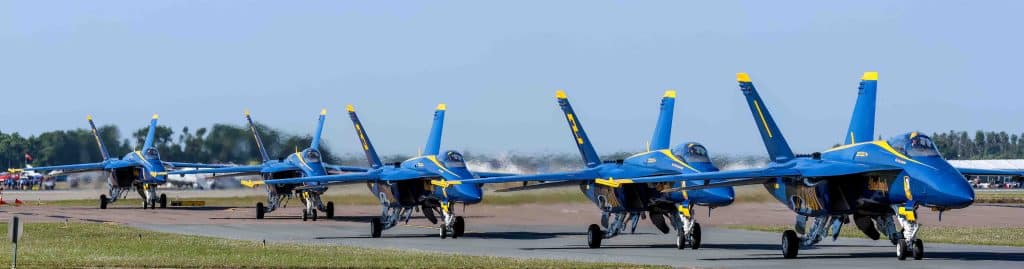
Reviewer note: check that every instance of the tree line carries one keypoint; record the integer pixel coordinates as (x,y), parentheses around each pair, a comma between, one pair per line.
(225,143)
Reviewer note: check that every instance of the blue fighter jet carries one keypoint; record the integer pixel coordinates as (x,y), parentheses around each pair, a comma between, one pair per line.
(429,182)
(875,182)
(622,203)
(142,170)
(305,163)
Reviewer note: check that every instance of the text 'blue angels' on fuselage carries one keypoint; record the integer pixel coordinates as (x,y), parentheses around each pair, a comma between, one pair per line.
(306,163)
(142,170)
(429,181)
(623,203)
(874,181)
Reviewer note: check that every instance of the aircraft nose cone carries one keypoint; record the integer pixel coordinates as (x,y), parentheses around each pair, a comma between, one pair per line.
(958,197)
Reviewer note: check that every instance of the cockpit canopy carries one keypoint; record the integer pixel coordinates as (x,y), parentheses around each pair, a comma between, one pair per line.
(311,156)
(454,159)
(691,153)
(914,145)
(151,154)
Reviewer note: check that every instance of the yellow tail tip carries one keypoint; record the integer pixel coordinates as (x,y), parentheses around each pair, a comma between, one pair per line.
(155,116)
(350,108)
(88,117)
(742,77)
(670,94)
(870,75)
(560,94)
(246,112)
(323,111)
(442,106)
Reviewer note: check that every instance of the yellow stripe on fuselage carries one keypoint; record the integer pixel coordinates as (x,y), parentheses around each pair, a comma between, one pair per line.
(882,144)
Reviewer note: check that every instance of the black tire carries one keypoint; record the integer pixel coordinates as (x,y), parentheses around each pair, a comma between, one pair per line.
(695,236)
(260,210)
(459,227)
(312,213)
(163,200)
(790,244)
(680,239)
(594,236)
(103,201)
(376,227)
(443,231)
(901,249)
(330,210)
(918,249)
(305,215)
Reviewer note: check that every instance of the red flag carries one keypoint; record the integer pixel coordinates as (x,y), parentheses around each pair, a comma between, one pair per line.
(28,157)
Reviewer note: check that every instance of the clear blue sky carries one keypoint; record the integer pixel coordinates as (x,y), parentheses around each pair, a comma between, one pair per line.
(943,65)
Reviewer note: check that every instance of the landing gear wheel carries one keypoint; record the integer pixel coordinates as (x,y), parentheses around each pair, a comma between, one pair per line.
(695,236)
(459,227)
(918,249)
(594,236)
(681,239)
(790,244)
(901,249)
(376,227)
(305,215)
(260,210)
(330,210)
(103,201)
(163,200)
(312,213)
(443,230)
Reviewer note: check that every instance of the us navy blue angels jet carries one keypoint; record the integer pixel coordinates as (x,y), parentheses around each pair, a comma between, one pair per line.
(142,170)
(428,182)
(305,163)
(874,181)
(622,204)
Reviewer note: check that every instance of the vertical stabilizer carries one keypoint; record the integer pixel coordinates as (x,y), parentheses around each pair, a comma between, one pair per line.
(433,146)
(364,139)
(862,124)
(99,142)
(663,129)
(774,142)
(578,134)
(264,157)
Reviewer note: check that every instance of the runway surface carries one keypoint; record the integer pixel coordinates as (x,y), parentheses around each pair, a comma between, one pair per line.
(722,248)
(558,231)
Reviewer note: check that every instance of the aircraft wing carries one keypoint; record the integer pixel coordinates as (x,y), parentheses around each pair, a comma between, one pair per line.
(196,165)
(330,179)
(81,166)
(581,175)
(343,168)
(823,168)
(232,169)
(545,185)
(493,174)
(989,172)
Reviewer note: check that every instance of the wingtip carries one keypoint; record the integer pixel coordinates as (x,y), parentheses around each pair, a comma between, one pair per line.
(670,94)
(442,106)
(742,77)
(323,112)
(560,94)
(350,108)
(870,75)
